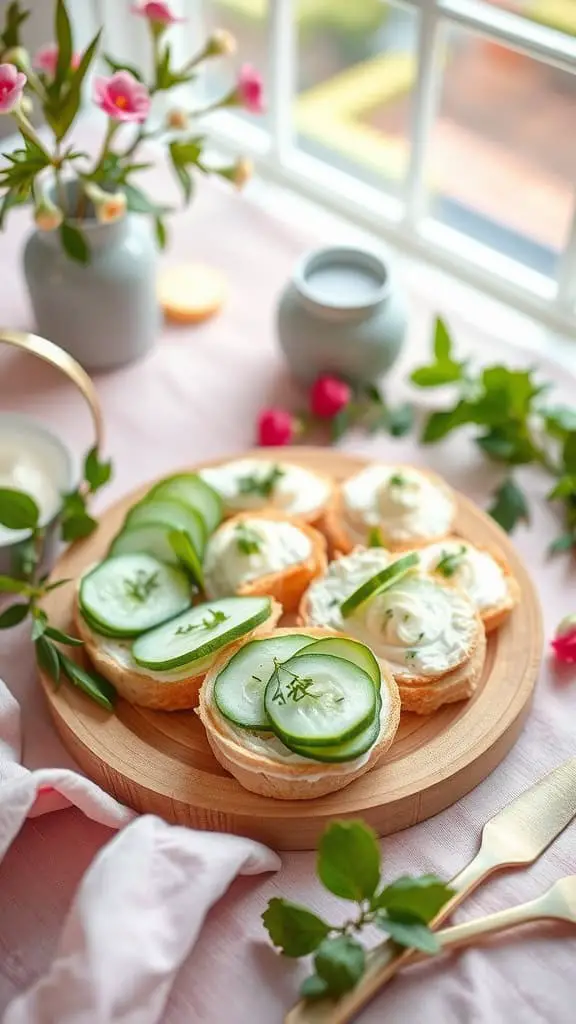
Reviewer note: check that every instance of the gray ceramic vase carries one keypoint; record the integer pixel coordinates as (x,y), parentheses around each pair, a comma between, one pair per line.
(343,313)
(105,314)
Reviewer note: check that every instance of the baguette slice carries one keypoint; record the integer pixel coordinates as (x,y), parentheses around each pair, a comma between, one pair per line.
(344,534)
(302,779)
(424,695)
(286,586)
(312,490)
(164,691)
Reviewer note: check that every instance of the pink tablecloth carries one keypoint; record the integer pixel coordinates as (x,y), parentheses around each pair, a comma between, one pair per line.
(196,397)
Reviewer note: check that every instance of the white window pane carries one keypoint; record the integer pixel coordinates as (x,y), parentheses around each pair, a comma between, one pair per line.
(357,68)
(502,156)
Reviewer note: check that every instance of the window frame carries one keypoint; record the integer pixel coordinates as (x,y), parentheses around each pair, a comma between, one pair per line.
(404,221)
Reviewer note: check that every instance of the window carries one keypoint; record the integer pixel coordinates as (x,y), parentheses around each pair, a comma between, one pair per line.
(445,125)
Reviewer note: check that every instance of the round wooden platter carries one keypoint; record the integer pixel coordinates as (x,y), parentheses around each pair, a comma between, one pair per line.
(160,762)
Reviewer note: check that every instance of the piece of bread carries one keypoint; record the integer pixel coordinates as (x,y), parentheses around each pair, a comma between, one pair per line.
(191,293)
(148,689)
(339,534)
(492,615)
(288,585)
(259,503)
(300,781)
(425,695)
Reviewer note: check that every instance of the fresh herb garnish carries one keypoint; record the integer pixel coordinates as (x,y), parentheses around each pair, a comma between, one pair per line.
(375,538)
(410,655)
(397,480)
(210,621)
(296,689)
(247,540)
(76,521)
(261,485)
(142,585)
(349,866)
(451,561)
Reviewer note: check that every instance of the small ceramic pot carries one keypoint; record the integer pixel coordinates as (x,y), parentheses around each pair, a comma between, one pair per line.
(105,314)
(343,313)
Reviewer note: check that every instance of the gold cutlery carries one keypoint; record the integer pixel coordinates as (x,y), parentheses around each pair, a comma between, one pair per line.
(515,836)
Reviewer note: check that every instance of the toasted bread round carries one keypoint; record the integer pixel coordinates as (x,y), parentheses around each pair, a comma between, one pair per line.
(287,585)
(493,614)
(342,538)
(280,500)
(301,779)
(164,691)
(423,696)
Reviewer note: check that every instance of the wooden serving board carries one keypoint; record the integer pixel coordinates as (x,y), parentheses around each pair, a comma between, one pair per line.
(160,762)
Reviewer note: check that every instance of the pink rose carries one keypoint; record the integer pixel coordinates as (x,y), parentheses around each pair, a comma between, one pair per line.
(46,59)
(157,12)
(329,396)
(276,427)
(250,90)
(122,97)
(564,643)
(12,83)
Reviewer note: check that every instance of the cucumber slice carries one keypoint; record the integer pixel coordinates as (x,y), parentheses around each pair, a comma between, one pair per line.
(201,631)
(172,513)
(347,751)
(189,488)
(161,541)
(319,700)
(381,581)
(349,650)
(132,593)
(239,687)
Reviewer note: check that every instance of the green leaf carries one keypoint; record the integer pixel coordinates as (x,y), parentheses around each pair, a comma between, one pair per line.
(76,527)
(339,424)
(314,987)
(57,584)
(565,542)
(39,625)
(69,103)
(48,659)
(442,342)
(509,506)
(74,243)
(186,151)
(115,65)
(564,488)
(92,684)
(18,511)
(422,896)
(185,181)
(294,929)
(512,445)
(436,375)
(569,453)
(183,547)
(409,932)
(63,638)
(161,233)
(10,199)
(560,420)
(96,472)
(340,962)
(15,17)
(13,615)
(63,32)
(139,202)
(11,586)
(24,559)
(401,419)
(440,424)
(349,860)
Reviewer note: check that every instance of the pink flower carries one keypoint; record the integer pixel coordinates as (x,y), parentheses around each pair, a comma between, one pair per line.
(250,90)
(329,396)
(276,427)
(564,643)
(159,13)
(12,83)
(122,97)
(46,59)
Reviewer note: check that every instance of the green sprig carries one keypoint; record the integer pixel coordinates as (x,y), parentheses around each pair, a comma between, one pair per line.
(349,866)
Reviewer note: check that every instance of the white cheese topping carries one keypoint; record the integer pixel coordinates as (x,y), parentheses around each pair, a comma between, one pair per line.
(418,626)
(241,552)
(475,571)
(120,651)
(243,484)
(406,504)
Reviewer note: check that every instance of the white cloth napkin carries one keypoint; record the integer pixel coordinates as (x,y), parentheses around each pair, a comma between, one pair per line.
(138,909)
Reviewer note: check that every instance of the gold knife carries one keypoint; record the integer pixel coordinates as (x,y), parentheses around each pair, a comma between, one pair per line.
(516,836)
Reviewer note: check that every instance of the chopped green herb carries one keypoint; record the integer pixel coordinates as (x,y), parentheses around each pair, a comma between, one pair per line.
(247,540)
(388,613)
(262,486)
(451,561)
(298,687)
(141,585)
(397,480)
(410,655)
(210,621)
(375,538)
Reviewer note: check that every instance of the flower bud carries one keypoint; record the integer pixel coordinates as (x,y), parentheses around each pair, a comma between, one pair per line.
(17,55)
(566,626)
(238,173)
(221,44)
(112,208)
(47,216)
(177,119)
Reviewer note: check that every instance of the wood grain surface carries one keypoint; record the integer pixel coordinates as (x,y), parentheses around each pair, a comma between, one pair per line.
(160,762)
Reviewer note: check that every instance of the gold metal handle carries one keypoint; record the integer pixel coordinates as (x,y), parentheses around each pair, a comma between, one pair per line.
(56,356)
